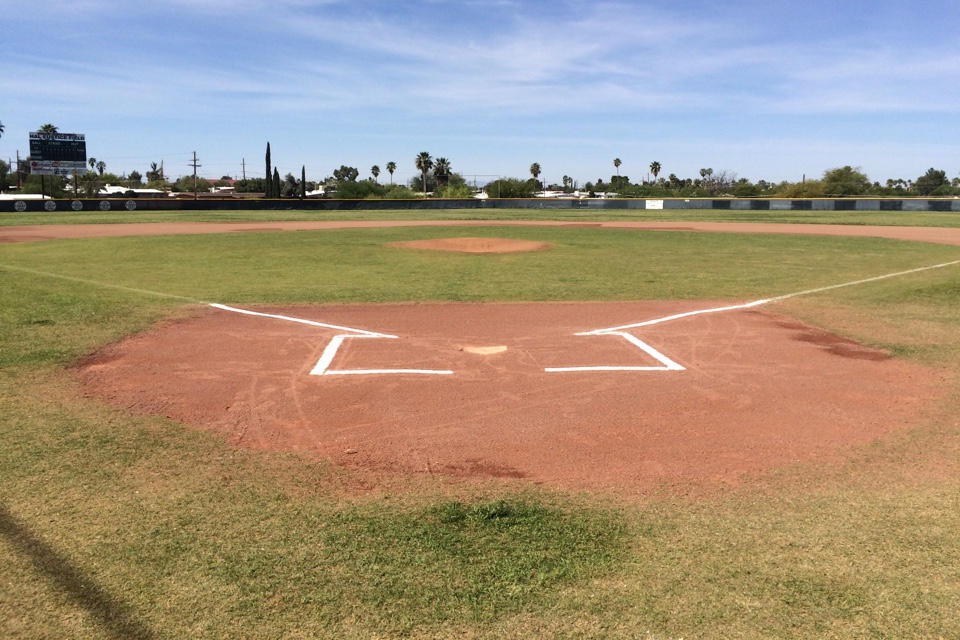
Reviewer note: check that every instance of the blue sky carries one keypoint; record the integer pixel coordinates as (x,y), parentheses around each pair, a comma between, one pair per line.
(769,89)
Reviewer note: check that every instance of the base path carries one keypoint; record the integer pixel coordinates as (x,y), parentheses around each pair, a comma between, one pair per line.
(52,232)
(542,392)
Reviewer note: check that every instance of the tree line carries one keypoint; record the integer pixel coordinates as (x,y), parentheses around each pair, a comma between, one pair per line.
(437,178)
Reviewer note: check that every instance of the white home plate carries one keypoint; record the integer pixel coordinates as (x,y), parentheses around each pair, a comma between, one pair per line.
(485,351)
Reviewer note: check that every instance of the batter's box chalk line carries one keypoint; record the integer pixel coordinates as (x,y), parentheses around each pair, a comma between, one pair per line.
(322,367)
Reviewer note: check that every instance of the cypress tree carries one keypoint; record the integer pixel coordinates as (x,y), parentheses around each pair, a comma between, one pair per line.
(303,182)
(267,184)
(275,190)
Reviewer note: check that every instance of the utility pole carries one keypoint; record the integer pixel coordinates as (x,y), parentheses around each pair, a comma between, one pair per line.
(244,168)
(194,165)
(19,183)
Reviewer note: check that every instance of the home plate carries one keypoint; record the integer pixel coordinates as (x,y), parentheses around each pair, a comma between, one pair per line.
(485,351)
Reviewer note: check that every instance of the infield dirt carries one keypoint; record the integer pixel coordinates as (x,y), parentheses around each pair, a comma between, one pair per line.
(757,390)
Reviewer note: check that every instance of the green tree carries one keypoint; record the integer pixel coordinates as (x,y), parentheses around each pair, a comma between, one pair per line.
(845,181)
(424,162)
(91,184)
(805,189)
(250,185)
(52,186)
(275,185)
(931,181)
(2,129)
(535,172)
(655,169)
(616,164)
(743,188)
(4,176)
(289,188)
(49,128)
(441,170)
(101,167)
(456,187)
(400,192)
(510,188)
(134,179)
(155,174)
(362,190)
(346,174)
(375,172)
(391,167)
(185,184)
(92,162)
(268,192)
(303,181)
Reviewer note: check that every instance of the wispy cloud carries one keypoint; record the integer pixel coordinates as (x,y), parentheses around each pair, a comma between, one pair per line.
(601,69)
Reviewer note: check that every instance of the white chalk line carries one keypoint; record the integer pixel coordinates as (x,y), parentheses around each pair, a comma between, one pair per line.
(864,281)
(105,285)
(669,365)
(322,368)
(313,323)
(646,323)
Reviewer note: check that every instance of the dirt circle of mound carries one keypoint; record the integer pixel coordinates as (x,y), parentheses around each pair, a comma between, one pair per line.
(524,391)
(474,245)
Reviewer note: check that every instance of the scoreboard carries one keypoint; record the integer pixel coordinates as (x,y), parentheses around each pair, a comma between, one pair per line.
(53,154)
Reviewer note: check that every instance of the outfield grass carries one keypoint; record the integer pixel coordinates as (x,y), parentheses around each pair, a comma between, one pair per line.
(882,218)
(119,526)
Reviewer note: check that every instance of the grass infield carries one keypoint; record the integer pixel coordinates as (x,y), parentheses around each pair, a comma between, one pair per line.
(120,526)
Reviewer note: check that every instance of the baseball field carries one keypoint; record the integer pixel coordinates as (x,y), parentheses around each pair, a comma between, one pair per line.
(276,425)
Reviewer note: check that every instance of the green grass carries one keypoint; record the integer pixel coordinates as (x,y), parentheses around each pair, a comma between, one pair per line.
(585,264)
(113,525)
(885,218)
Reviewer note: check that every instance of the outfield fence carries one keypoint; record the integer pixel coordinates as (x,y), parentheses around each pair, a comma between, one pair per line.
(606,204)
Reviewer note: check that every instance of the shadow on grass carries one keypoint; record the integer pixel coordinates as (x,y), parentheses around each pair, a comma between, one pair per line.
(117,619)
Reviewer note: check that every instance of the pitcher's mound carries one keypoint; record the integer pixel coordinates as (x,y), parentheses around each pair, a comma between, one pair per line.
(474,245)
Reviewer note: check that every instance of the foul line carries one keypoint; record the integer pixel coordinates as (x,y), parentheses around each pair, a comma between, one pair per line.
(106,285)
(360,332)
(669,365)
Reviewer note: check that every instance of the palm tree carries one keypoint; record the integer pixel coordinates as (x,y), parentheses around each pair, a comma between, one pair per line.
(535,172)
(441,170)
(92,162)
(1,129)
(91,184)
(616,164)
(424,163)
(391,167)
(48,128)
(101,166)
(375,171)
(655,169)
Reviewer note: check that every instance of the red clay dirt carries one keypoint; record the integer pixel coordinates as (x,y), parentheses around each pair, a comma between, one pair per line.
(758,391)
